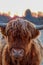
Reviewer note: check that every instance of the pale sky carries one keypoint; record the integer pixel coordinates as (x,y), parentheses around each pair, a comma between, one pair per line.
(19,6)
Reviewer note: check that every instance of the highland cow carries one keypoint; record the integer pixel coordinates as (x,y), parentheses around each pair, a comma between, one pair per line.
(21,46)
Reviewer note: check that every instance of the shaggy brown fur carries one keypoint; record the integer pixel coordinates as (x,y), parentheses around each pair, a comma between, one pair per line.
(21,34)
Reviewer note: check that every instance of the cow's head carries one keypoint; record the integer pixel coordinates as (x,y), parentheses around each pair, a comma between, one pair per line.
(19,34)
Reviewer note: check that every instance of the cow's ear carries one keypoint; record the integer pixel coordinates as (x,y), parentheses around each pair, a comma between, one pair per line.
(34,32)
(3,28)
(3,31)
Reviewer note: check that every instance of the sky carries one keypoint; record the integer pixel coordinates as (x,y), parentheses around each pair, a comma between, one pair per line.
(19,6)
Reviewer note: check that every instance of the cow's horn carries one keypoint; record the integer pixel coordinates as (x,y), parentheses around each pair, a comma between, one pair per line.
(3,24)
(39,27)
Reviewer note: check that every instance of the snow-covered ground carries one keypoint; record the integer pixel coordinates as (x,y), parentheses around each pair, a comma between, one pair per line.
(41,36)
